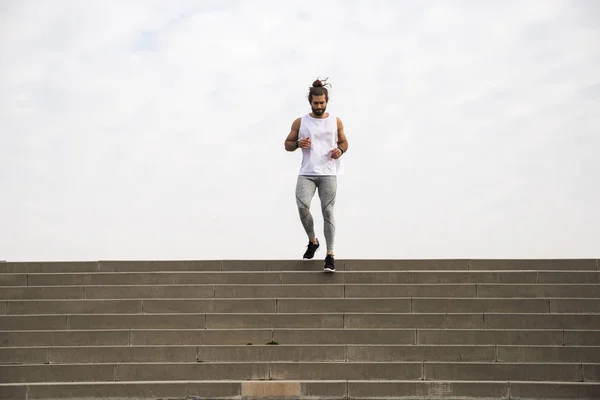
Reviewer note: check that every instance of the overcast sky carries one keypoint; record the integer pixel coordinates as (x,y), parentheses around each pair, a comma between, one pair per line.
(155,129)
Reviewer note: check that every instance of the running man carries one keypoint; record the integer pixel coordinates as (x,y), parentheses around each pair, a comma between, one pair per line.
(321,137)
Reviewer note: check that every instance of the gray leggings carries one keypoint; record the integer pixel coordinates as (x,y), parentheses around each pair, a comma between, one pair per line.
(305,190)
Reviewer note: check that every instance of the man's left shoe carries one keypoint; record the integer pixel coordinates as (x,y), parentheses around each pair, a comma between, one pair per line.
(310,249)
(329,263)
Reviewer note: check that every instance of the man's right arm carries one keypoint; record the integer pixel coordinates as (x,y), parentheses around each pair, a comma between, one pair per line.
(292,138)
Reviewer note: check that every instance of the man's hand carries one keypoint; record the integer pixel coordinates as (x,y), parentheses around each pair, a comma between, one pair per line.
(304,143)
(336,153)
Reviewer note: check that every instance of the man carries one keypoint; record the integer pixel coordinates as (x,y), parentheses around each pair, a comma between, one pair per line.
(322,140)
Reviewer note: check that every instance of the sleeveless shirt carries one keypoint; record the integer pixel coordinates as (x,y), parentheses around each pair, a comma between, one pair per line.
(323,136)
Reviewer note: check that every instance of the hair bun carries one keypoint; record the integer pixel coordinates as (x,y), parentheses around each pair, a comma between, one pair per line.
(317,83)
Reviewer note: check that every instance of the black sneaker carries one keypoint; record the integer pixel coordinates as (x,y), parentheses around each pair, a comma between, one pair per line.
(329,263)
(310,250)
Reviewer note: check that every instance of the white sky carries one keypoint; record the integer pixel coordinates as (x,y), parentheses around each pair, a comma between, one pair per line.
(155,129)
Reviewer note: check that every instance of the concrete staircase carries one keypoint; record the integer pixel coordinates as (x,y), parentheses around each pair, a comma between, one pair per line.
(376,329)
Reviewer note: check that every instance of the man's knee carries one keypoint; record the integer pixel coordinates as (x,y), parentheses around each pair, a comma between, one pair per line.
(303,209)
(328,212)
(302,204)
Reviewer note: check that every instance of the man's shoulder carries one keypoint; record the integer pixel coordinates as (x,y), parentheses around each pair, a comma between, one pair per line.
(301,118)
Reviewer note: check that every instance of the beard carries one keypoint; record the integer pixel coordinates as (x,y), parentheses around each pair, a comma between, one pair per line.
(318,111)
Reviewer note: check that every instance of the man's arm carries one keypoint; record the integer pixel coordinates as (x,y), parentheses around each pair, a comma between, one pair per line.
(290,141)
(342,141)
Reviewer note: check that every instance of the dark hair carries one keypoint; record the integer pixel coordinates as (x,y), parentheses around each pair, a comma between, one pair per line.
(319,88)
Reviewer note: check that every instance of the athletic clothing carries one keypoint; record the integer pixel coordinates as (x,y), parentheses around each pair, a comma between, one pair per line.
(323,137)
(318,171)
(305,190)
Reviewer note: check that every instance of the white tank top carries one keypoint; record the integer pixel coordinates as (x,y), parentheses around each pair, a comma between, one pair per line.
(323,135)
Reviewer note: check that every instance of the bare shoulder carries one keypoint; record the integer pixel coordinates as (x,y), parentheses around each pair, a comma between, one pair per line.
(340,132)
(296,124)
(294,131)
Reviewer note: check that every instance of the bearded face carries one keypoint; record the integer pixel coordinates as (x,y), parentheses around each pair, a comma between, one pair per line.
(318,105)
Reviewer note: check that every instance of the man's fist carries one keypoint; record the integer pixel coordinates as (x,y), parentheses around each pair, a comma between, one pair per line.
(336,153)
(304,143)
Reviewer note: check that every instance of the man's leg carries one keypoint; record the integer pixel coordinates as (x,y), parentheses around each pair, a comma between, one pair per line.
(327,190)
(305,190)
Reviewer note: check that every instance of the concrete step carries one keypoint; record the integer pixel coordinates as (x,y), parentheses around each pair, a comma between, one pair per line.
(581,338)
(110,266)
(314,291)
(430,336)
(126,337)
(475,265)
(302,320)
(289,277)
(550,337)
(31,338)
(145,337)
(505,305)
(472,353)
(455,390)
(53,267)
(289,353)
(42,292)
(573,354)
(299,265)
(255,390)
(169,321)
(13,279)
(474,321)
(551,372)
(260,352)
(540,290)
(535,264)
(288,305)
(482,290)
(36,307)
(250,390)
(171,291)
(575,305)
(455,371)
(192,390)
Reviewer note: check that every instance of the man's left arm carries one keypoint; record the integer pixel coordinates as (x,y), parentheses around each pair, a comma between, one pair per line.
(342,141)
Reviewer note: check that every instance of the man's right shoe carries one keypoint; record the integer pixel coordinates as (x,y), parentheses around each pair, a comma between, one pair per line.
(310,249)
(329,263)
